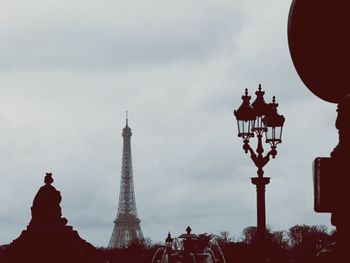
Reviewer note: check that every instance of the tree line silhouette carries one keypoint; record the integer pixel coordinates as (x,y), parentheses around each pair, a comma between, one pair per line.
(301,243)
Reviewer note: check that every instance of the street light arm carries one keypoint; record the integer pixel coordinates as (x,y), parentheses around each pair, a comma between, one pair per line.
(266,159)
(272,152)
(258,159)
(246,148)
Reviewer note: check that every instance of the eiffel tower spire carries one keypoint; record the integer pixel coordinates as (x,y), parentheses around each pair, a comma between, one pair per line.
(127,224)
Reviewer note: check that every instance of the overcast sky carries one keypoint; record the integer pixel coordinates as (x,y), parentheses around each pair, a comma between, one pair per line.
(70,69)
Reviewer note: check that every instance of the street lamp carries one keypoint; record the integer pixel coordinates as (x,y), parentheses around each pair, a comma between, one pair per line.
(274,125)
(245,116)
(260,118)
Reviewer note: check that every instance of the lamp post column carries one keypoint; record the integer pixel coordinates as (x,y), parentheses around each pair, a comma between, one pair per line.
(260,183)
(340,157)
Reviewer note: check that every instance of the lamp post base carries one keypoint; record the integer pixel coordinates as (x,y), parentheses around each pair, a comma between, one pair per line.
(260,180)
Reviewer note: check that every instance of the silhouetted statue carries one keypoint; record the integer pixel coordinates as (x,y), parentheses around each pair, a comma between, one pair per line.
(47,237)
(46,208)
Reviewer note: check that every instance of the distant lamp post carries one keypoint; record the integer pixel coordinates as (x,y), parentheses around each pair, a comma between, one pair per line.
(169,243)
(260,118)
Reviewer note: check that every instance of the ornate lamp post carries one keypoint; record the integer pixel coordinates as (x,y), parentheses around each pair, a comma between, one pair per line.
(259,118)
(319,48)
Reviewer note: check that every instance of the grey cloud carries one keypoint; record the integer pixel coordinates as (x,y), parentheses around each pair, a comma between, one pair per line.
(63,98)
(147,38)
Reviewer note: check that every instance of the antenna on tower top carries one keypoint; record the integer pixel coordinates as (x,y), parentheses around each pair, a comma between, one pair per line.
(126,118)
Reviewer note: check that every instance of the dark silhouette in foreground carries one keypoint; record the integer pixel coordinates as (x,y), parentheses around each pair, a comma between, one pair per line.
(47,237)
(319,47)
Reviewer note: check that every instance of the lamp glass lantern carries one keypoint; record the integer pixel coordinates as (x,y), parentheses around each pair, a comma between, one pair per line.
(261,109)
(245,128)
(245,116)
(274,124)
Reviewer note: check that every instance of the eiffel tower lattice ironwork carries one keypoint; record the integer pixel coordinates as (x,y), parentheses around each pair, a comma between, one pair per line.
(127,227)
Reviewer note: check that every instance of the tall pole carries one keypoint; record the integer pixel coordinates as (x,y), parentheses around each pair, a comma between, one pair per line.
(260,182)
(319,48)
(340,199)
(260,118)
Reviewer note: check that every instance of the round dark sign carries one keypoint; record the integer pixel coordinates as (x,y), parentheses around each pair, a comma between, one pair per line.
(319,44)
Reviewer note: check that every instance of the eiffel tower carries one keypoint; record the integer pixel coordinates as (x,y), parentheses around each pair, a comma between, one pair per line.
(127,224)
